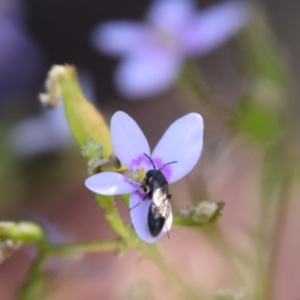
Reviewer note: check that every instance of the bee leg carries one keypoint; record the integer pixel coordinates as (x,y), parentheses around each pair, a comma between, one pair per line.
(130,208)
(145,188)
(168,235)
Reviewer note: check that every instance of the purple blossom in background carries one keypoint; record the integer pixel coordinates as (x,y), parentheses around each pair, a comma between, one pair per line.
(153,52)
(21,57)
(47,131)
(44,133)
(182,142)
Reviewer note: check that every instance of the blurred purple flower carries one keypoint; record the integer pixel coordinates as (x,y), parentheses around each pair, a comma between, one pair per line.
(47,131)
(182,142)
(21,57)
(153,52)
(44,133)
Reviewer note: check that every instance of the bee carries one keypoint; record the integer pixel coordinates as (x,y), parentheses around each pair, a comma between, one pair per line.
(159,209)
(156,187)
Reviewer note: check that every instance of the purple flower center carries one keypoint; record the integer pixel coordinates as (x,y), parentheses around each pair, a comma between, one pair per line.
(133,183)
(139,163)
(167,170)
(142,163)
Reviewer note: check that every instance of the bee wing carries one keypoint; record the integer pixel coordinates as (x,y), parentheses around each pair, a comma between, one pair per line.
(159,193)
(155,184)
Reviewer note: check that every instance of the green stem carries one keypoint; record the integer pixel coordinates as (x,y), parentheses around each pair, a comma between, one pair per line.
(150,251)
(153,253)
(91,247)
(191,79)
(279,230)
(231,253)
(275,199)
(29,292)
(112,216)
(28,289)
(192,82)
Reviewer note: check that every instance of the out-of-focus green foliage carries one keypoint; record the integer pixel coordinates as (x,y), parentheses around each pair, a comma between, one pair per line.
(261,56)
(257,121)
(261,113)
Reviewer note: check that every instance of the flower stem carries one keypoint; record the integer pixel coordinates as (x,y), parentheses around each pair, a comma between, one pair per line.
(152,252)
(192,82)
(279,227)
(112,216)
(90,247)
(234,257)
(29,290)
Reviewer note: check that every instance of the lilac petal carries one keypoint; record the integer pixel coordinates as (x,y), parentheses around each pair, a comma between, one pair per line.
(128,141)
(44,133)
(214,26)
(139,218)
(118,37)
(170,14)
(182,142)
(148,72)
(110,183)
(19,53)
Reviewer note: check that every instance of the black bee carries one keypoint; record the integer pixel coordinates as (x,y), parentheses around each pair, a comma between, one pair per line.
(159,209)
(156,188)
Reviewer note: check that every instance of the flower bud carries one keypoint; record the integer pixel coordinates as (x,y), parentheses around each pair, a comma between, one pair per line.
(203,212)
(228,294)
(84,120)
(24,232)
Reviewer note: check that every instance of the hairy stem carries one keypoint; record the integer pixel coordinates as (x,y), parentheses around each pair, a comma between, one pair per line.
(153,253)
(28,290)
(90,247)
(279,230)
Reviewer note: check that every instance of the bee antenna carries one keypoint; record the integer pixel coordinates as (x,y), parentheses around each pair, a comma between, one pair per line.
(172,162)
(150,160)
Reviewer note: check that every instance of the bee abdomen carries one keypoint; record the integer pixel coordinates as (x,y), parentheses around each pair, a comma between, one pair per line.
(155,224)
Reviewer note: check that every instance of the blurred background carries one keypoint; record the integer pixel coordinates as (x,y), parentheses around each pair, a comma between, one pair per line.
(42,174)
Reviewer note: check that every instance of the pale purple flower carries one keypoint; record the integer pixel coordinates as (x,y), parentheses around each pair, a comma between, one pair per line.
(182,142)
(21,58)
(47,131)
(43,133)
(153,52)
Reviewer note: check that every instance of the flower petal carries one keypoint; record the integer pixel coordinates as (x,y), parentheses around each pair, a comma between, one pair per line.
(150,71)
(44,133)
(118,37)
(139,218)
(182,142)
(170,14)
(110,183)
(128,140)
(214,26)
